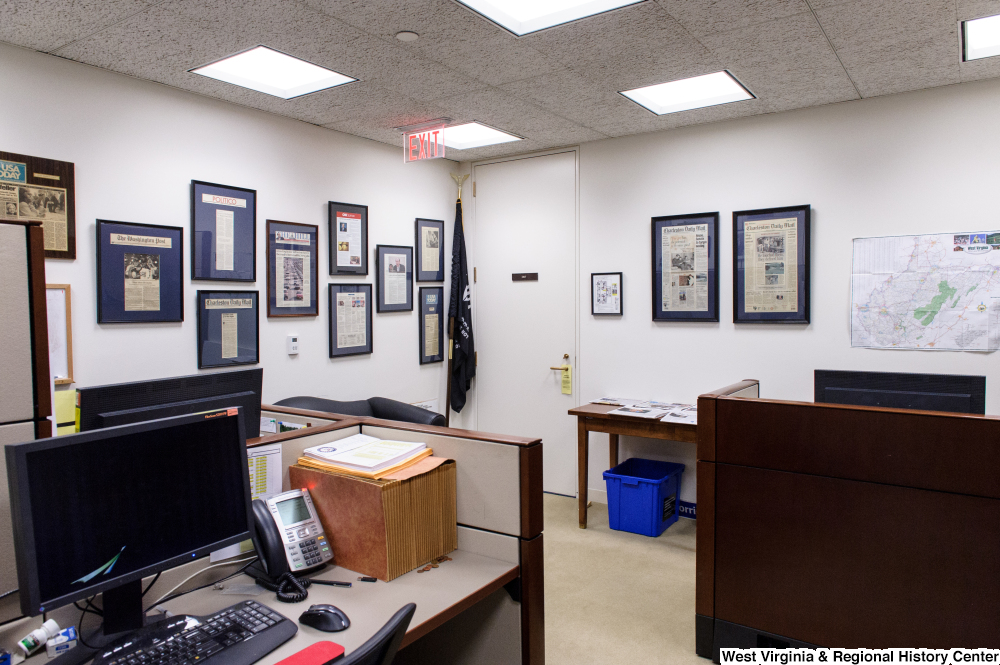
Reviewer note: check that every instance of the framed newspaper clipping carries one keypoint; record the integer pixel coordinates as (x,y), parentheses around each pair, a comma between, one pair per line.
(606,294)
(350,319)
(223,232)
(228,328)
(292,260)
(140,273)
(393,278)
(686,267)
(35,189)
(348,239)
(431,324)
(771,265)
(430,250)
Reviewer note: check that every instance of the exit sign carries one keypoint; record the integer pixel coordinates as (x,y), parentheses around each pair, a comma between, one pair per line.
(424,143)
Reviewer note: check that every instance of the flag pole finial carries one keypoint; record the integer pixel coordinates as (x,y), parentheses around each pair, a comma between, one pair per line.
(459,179)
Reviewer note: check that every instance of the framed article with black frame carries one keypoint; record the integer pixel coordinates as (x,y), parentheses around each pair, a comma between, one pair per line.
(348,226)
(292,261)
(431,324)
(606,297)
(685,256)
(393,278)
(140,273)
(429,242)
(228,328)
(771,281)
(223,232)
(350,320)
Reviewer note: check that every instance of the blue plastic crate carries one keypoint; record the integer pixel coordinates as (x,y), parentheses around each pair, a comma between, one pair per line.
(643,495)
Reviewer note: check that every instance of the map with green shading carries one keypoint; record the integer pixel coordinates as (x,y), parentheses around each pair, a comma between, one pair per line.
(931,292)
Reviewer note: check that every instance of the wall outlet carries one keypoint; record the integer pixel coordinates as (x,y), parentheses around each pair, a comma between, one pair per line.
(292,343)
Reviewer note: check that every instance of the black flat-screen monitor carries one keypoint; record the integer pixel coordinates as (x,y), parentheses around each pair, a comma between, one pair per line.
(124,403)
(97,511)
(955,393)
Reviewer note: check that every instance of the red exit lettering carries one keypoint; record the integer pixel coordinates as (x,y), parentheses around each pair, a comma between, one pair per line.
(426,144)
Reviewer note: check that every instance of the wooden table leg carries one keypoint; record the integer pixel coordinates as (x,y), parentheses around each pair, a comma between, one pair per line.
(581,463)
(613,450)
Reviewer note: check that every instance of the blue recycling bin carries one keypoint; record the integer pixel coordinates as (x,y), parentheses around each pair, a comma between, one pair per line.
(643,495)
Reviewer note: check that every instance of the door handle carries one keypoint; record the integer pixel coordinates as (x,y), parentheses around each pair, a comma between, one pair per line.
(563,366)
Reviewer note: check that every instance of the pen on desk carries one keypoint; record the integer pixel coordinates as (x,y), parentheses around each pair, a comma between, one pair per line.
(331,583)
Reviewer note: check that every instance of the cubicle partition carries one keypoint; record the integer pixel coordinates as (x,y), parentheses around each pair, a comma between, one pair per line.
(844,526)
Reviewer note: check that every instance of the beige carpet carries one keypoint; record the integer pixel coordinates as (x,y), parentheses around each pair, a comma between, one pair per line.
(616,597)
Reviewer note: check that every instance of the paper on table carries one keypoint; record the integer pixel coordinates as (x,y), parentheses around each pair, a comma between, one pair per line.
(327,451)
(683,413)
(616,401)
(638,412)
(265,481)
(376,455)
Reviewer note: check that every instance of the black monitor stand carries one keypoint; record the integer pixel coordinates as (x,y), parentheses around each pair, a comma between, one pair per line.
(124,620)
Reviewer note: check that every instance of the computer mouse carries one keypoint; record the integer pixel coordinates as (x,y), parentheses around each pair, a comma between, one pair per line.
(327,618)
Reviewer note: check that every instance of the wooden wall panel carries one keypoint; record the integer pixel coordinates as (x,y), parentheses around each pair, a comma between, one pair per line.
(841,563)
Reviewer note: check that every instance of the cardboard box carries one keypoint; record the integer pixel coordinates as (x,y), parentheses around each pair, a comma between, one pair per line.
(384,528)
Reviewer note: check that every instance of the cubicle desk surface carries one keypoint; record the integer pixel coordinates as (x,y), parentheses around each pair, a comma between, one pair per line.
(595,418)
(440,594)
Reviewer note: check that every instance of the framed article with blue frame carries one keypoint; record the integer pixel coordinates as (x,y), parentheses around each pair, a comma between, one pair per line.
(393,278)
(223,232)
(771,265)
(685,250)
(431,324)
(430,250)
(348,225)
(292,260)
(140,271)
(350,323)
(228,328)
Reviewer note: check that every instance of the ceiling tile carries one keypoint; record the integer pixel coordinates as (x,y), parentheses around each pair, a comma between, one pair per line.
(895,47)
(705,17)
(627,48)
(450,35)
(976,8)
(574,97)
(45,25)
(786,63)
(651,122)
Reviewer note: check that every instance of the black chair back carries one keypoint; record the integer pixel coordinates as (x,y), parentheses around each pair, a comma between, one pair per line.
(382,647)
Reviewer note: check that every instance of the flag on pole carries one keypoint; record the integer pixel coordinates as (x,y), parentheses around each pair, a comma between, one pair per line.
(463,356)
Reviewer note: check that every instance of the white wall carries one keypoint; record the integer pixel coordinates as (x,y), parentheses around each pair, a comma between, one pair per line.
(138,145)
(922,162)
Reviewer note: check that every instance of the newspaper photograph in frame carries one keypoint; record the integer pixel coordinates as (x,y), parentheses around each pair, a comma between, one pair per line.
(348,238)
(771,265)
(228,328)
(685,255)
(140,273)
(429,241)
(35,189)
(223,232)
(292,261)
(393,278)
(431,324)
(350,320)
(606,297)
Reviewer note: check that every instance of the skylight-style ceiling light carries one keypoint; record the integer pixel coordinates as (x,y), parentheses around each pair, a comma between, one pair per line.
(981,37)
(691,93)
(272,72)
(475,135)
(524,16)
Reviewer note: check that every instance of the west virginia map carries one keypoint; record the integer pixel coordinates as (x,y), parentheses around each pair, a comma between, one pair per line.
(930,292)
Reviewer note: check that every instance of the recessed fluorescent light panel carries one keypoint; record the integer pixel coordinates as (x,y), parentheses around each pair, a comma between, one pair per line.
(981,37)
(693,93)
(474,135)
(272,72)
(524,16)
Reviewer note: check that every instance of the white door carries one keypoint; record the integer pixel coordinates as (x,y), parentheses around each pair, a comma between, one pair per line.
(526,223)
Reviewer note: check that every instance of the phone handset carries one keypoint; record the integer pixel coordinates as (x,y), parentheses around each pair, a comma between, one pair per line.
(289,540)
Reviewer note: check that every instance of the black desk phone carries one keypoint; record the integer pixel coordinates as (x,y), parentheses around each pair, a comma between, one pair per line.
(288,535)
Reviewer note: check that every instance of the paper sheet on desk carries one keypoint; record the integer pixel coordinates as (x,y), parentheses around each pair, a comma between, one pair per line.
(265,481)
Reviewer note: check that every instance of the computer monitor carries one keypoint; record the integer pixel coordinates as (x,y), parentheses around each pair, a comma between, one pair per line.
(124,403)
(98,511)
(926,392)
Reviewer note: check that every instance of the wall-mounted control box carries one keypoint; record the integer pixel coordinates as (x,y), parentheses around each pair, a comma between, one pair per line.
(293,345)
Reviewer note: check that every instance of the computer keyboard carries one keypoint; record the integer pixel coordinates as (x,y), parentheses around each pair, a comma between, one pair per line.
(238,635)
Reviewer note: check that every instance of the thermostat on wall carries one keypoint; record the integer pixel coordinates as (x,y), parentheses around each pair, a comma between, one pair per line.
(293,345)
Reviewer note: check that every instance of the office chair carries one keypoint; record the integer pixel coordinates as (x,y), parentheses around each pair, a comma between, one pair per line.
(382,647)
